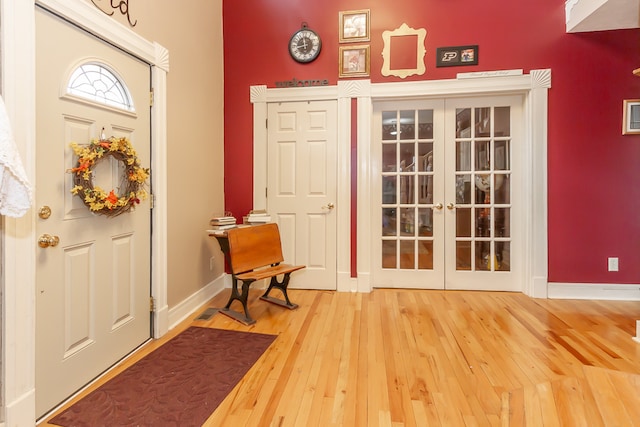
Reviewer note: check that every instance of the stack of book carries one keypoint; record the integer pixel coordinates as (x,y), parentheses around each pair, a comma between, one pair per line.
(257,217)
(222,222)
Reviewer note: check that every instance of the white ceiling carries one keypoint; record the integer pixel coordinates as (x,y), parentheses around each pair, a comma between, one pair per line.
(600,15)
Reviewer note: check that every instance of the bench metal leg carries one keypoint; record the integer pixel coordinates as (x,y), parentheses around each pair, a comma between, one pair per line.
(283,288)
(242,297)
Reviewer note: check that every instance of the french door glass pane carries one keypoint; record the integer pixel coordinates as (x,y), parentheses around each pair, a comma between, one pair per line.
(389,126)
(463,255)
(463,155)
(425,124)
(389,157)
(407,254)
(407,189)
(483,188)
(502,187)
(407,222)
(407,124)
(389,221)
(425,222)
(389,254)
(425,254)
(502,121)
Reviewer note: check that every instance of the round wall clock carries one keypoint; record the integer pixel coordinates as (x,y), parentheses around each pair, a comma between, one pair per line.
(305,45)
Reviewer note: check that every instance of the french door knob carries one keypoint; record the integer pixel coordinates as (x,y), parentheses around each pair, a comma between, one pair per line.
(451,206)
(47,240)
(438,206)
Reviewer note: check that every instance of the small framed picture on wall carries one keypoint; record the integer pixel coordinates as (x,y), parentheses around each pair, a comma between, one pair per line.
(354,61)
(631,117)
(354,26)
(455,56)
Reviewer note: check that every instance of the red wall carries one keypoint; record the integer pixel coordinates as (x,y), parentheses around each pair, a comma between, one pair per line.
(594,173)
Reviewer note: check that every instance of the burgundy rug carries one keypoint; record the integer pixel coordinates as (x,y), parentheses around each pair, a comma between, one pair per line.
(179,384)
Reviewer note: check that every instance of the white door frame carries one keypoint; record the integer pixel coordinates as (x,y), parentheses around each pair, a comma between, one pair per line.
(18,234)
(533,86)
(261,96)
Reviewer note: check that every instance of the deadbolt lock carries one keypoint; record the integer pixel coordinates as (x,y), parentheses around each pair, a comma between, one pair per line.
(44,212)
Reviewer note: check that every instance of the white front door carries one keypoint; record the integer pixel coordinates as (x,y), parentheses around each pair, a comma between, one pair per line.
(93,288)
(446,187)
(407,194)
(301,187)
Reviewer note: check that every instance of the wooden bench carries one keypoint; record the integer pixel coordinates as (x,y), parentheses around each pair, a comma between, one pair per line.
(255,253)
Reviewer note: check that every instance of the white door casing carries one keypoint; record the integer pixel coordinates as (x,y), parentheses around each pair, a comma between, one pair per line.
(430,232)
(261,97)
(19,234)
(533,87)
(301,187)
(93,287)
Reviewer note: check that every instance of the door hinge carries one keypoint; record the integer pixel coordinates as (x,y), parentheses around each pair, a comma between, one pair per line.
(151,98)
(152,304)
(266,123)
(152,201)
(266,192)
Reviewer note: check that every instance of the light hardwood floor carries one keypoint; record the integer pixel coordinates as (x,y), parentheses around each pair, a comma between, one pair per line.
(434,358)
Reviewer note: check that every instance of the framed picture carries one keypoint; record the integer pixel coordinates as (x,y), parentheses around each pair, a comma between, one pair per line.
(631,117)
(456,56)
(354,61)
(354,26)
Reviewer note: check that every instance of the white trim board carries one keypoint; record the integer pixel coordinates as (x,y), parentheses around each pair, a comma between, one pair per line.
(594,291)
(18,234)
(260,96)
(189,306)
(533,86)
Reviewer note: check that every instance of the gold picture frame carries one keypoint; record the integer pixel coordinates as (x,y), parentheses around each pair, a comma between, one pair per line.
(354,26)
(631,117)
(354,61)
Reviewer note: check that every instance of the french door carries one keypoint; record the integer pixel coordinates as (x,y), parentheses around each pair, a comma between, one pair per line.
(445,199)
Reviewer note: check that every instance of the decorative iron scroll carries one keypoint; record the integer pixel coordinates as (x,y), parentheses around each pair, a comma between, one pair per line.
(120,5)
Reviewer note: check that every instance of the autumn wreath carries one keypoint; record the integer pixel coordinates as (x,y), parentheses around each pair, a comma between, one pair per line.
(98,200)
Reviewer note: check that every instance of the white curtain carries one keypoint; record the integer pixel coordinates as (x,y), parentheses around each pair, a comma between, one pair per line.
(15,189)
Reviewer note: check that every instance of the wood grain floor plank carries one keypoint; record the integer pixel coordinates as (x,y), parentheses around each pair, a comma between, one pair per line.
(432,358)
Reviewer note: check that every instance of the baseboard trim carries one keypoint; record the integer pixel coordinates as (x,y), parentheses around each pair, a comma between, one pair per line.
(594,291)
(186,308)
(346,283)
(21,411)
(364,283)
(539,288)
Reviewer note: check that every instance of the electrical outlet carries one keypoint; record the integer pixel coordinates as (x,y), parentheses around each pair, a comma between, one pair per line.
(212,263)
(613,264)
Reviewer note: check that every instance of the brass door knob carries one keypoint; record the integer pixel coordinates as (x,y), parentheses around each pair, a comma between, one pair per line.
(329,206)
(451,206)
(47,240)
(438,206)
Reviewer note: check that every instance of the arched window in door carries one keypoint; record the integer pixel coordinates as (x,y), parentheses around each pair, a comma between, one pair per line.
(99,84)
